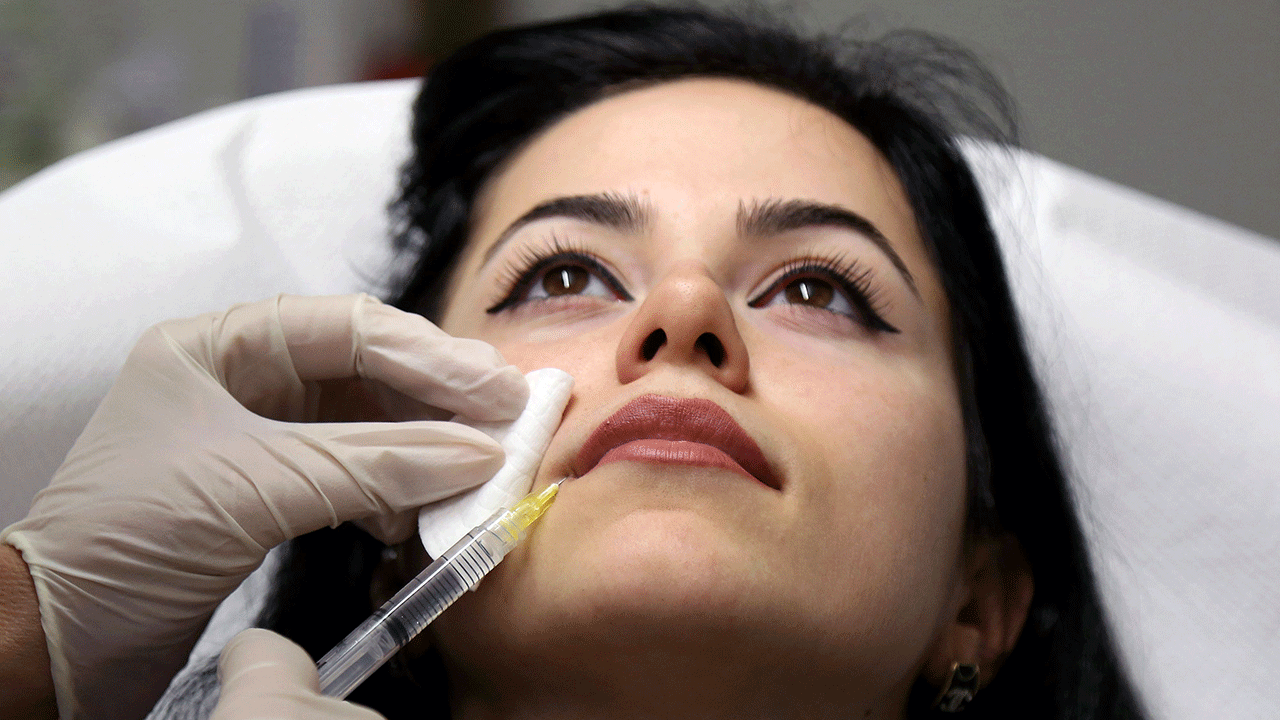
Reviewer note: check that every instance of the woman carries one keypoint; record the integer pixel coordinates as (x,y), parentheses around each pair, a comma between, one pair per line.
(779,245)
(677,183)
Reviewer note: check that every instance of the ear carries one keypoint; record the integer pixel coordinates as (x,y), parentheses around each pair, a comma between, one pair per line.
(993,603)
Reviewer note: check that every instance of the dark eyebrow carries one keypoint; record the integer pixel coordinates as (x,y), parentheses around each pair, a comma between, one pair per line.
(626,213)
(773,217)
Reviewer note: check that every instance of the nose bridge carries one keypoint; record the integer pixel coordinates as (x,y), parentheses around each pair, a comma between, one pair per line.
(689,283)
(685,320)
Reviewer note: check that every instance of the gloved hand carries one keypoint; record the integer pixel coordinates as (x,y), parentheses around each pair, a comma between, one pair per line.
(223,436)
(264,676)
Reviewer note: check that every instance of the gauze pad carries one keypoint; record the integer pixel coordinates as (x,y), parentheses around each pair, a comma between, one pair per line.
(525,440)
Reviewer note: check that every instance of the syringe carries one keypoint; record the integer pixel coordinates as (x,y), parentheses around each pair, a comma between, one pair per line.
(397,622)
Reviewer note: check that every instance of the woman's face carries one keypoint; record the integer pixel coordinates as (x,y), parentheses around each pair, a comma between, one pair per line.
(734,276)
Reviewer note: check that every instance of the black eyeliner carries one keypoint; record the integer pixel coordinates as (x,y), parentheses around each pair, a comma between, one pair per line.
(535,262)
(855,282)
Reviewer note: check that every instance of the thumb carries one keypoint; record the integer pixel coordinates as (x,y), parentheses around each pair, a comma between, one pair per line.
(266,676)
(257,661)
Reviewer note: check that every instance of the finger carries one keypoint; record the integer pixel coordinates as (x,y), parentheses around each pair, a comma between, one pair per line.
(409,464)
(265,352)
(242,349)
(366,400)
(320,333)
(465,376)
(403,350)
(260,662)
(326,474)
(265,676)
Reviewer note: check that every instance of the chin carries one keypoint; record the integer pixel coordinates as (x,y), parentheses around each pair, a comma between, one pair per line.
(663,539)
(661,563)
(648,578)
(628,558)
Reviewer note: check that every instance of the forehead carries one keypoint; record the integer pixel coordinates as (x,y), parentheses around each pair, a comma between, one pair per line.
(720,141)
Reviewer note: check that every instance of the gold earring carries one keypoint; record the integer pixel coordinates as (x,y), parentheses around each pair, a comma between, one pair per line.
(959,689)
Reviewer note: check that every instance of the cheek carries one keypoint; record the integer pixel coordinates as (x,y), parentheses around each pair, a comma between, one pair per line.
(588,356)
(881,451)
(581,350)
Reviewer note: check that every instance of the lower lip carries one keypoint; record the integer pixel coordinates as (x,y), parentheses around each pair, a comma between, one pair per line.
(674,452)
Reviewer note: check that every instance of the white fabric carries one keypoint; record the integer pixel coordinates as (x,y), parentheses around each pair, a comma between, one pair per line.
(525,440)
(1157,331)
(279,194)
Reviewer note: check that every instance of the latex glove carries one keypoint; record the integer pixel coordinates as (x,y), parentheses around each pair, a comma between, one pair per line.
(266,676)
(205,454)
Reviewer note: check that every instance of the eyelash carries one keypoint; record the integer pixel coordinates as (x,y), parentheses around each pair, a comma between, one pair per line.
(846,274)
(523,271)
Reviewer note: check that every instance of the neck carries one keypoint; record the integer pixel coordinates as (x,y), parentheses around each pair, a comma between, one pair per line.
(646,682)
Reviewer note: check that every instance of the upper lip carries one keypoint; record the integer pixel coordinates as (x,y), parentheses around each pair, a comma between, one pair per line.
(656,417)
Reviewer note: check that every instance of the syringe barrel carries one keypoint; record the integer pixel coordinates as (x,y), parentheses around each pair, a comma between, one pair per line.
(414,607)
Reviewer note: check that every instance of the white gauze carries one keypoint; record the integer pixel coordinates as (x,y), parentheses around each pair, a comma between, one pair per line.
(525,440)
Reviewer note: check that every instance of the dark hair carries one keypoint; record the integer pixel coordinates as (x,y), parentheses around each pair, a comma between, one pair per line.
(914,97)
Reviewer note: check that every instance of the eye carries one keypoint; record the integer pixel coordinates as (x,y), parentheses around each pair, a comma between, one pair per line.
(562,280)
(810,292)
(815,293)
(830,286)
(563,274)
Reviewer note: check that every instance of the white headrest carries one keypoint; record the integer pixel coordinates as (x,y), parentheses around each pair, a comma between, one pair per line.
(1157,334)
(1157,331)
(278,194)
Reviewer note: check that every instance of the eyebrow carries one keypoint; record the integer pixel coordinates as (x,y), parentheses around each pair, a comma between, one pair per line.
(625,213)
(628,213)
(774,217)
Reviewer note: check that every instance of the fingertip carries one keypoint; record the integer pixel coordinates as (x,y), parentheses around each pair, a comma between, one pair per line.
(465,376)
(260,657)
(508,394)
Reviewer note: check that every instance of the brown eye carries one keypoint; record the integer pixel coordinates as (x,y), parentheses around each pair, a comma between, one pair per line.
(836,288)
(814,293)
(809,291)
(565,280)
(563,274)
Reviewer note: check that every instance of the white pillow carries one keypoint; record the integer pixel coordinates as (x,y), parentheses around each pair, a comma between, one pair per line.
(1157,331)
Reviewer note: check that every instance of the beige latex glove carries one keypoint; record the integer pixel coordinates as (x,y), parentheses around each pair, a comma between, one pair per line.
(265,676)
(207,451)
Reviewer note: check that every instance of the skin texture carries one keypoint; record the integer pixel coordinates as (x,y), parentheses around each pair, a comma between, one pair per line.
(654,588)
(27,687)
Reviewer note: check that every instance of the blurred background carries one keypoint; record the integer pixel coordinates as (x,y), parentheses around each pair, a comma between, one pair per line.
(1179,99)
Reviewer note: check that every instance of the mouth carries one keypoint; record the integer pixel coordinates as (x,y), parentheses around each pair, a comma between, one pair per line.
(679,431)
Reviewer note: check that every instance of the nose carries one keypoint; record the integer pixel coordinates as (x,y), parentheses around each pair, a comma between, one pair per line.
(686,321)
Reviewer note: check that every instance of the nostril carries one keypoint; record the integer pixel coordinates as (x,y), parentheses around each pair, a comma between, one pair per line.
(651,344)
(712,346)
